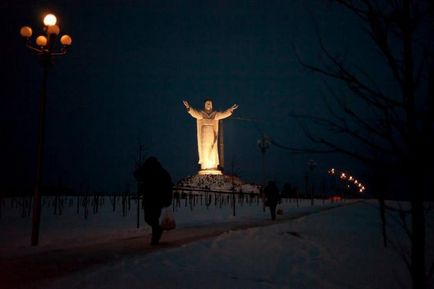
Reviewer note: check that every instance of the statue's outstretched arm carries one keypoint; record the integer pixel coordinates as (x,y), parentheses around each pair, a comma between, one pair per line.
(226,113)
(193,112)
(234,107)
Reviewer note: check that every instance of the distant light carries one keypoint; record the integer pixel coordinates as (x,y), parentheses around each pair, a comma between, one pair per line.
(41,41)
(348,180)
(26,31)
(50,20)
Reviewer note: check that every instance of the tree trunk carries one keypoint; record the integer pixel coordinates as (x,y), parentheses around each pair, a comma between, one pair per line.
(383,220)
(418,243)
(418,277)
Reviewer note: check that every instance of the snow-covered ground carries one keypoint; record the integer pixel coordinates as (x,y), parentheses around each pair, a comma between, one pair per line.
(70,227)
(336,248)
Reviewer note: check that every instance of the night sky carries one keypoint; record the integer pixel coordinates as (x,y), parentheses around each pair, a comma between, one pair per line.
(133,62)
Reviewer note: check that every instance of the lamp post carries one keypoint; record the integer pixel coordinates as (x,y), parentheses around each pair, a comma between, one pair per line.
(311,165)
(46,49)
(263,144)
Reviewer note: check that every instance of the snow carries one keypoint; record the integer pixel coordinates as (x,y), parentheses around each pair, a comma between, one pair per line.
(329,245)
(70,229)
(217,183)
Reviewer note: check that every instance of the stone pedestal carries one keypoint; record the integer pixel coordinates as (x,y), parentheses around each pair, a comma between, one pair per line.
(210,172)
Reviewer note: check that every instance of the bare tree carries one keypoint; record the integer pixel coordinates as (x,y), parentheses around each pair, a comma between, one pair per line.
(393,131)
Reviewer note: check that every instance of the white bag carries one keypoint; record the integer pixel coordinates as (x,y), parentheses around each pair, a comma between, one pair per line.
(279,210)
(167,221)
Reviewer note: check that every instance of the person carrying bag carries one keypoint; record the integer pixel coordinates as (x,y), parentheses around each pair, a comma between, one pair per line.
(155,187)
(272,198)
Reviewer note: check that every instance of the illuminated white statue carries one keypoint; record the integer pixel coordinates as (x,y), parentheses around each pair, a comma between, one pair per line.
(207,135)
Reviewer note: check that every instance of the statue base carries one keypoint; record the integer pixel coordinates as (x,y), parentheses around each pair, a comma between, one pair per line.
(217,183)
(210,172)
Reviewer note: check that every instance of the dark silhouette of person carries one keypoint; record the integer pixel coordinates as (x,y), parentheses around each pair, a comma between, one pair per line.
(271,198)
(155,188)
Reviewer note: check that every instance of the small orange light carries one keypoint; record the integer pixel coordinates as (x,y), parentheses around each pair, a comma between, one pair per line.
(66,40)
(26,31)
(41,40)
(53,29)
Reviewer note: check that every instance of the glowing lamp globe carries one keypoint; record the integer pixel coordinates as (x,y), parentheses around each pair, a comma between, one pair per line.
(66,40)
(26,31)
(53,29)
(50,20)
(41,41)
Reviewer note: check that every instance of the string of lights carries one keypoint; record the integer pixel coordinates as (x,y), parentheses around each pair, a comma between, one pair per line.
(350,180)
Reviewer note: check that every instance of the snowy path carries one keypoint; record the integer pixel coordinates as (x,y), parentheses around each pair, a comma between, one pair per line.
(31,269)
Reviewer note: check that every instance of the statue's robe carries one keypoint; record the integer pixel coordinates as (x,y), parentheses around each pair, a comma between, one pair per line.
(207,136)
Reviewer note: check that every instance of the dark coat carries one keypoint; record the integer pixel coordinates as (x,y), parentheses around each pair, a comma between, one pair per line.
(272,196)
(155,183)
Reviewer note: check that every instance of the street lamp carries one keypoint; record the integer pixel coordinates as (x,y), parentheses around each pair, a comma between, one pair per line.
(47,50)
(263,144)
(311,164)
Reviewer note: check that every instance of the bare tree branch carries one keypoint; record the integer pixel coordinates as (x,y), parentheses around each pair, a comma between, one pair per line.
(397,129)
(344,129)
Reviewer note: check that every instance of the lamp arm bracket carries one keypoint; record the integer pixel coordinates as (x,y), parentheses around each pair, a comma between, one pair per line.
(34,48)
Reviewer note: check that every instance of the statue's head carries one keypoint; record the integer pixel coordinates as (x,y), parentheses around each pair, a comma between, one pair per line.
(208,105)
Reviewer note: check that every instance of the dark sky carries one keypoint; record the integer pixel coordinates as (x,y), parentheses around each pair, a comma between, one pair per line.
(133,62)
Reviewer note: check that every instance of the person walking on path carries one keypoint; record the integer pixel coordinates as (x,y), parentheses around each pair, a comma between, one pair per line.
(155,188)
(271,198)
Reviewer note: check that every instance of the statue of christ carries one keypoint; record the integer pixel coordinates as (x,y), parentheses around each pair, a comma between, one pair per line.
(207,134)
